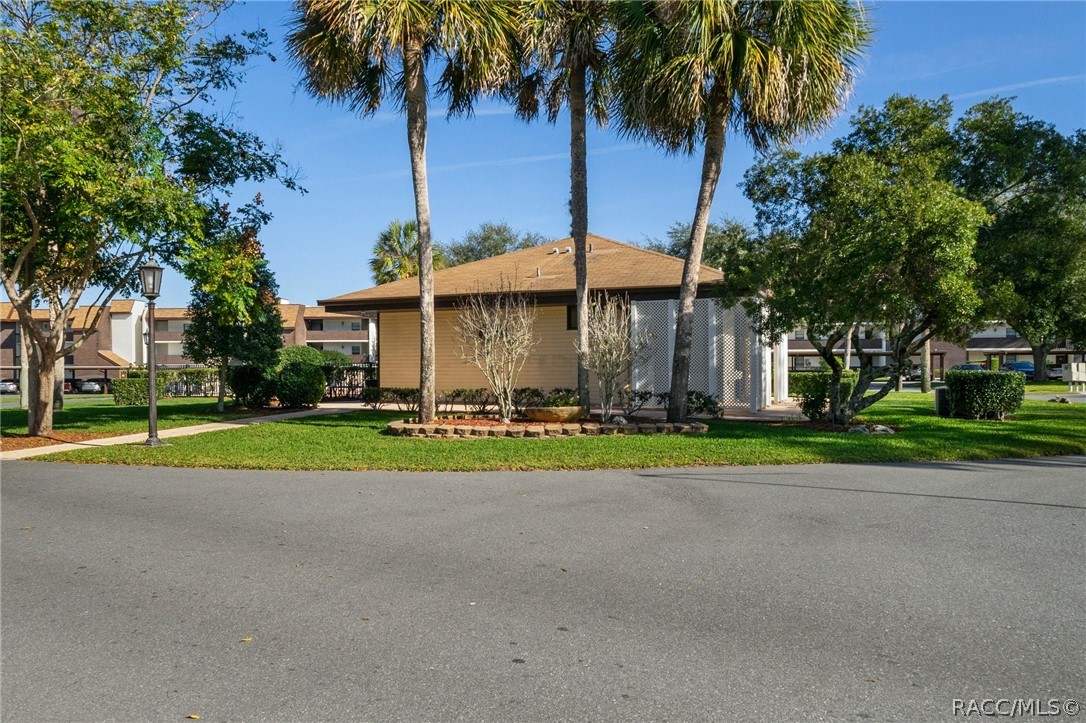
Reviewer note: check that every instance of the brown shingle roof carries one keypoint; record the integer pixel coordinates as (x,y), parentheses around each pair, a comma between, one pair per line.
(121,306)
(163,313)
(612,266)
(319,312)
(8,313)
(114,359)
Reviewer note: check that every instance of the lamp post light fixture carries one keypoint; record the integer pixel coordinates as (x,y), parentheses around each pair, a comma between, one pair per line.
(151,286)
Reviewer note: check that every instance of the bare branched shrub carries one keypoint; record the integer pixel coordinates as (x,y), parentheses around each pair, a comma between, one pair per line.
(612,348)
(497,333)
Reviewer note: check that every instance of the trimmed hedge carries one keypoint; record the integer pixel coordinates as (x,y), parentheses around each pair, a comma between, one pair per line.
(134,392)
(303,354)
(812,389)
(976,394)
(300,384)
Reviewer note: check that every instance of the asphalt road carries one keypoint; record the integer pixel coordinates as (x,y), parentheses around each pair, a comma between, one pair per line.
(842,593)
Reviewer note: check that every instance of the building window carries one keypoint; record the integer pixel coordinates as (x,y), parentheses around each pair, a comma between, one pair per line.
(314,325)
(800,335)
(162,325)
(571,317)
(1011,333)
(356,350)
(356,326)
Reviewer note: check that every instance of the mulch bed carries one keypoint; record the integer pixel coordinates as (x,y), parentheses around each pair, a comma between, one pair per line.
(520,421)
(11,442)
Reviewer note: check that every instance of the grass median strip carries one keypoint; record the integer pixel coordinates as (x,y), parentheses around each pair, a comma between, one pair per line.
(354,442)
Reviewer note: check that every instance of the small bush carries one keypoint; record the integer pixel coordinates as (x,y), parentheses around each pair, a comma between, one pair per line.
(406,399)
(133,392)
(299,384)
(632,401)
(332,358)
(562,397)
(253,387)
(984,394)
(303,354)
(812,389)
(371,397)
(524,397)
(696,402)
(478,401)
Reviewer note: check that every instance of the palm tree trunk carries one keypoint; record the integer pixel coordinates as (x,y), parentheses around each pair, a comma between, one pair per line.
(684,327)
(415,96)
(578,207)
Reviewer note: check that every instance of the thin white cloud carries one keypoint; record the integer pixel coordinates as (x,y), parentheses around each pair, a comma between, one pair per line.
(515,161)
(1057,80)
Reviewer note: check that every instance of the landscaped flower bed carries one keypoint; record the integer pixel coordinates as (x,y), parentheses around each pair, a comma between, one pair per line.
(476,428)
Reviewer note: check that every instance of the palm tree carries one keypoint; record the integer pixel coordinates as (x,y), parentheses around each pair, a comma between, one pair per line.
(358,52)
(687,72)
(396,253)
(565,63)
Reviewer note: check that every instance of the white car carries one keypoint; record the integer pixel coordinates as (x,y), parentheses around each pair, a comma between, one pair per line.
(91,387)
(8,387)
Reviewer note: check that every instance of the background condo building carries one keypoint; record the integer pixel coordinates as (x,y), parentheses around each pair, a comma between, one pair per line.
(119,338)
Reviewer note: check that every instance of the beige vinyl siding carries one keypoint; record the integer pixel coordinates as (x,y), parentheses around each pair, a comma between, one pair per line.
(553,362)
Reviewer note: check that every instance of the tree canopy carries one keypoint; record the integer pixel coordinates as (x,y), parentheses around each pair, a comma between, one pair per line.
(1032,254)
(871,234)
(109,151)
(489,239)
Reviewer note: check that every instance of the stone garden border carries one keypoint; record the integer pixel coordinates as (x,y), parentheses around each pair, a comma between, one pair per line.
(550,430)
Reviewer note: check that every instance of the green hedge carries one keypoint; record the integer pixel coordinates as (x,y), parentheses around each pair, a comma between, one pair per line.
(984,394)
(133,392)
(253,387)
(300,384)
(812,389)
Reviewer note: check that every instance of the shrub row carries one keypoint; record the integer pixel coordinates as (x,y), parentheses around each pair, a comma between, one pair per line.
(131,392)
(812,389)
(984,394)
(481,400)
(295,384)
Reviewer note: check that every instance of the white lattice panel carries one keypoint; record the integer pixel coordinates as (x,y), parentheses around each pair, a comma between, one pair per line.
(719,355)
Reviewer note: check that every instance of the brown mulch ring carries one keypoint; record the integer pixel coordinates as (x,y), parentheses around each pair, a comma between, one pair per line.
(10,442)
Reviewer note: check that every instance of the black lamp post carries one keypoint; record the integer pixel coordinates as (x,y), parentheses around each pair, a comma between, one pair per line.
(151,284)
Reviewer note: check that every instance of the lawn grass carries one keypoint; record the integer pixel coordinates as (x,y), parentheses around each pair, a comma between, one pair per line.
(354,442)
(102,417)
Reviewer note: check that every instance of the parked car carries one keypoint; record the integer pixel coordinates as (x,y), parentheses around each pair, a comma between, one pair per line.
(95,386)
(8,386)
(967,368)
(1025,367)
(1055,372)
(71,386)
(914,373)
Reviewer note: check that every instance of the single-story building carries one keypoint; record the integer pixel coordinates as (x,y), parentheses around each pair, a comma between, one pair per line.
(727,359)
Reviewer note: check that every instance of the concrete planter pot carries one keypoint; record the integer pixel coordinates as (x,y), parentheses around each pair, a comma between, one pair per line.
(554,414)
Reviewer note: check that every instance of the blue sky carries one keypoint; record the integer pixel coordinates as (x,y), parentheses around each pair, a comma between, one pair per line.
(495,168)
